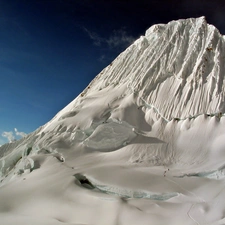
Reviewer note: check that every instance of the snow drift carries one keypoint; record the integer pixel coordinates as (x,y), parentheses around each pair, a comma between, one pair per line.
(142,144)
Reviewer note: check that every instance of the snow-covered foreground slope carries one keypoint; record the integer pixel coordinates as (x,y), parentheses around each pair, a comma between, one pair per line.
(142,144)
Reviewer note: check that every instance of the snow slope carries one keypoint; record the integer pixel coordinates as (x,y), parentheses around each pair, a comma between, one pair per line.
(142,144)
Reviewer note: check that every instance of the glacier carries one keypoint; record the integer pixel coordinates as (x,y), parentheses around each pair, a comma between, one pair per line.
(142,144)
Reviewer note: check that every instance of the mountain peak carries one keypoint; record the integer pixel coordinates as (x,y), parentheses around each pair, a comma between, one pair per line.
(178,67)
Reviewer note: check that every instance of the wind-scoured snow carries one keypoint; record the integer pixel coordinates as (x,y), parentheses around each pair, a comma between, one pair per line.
(142,144)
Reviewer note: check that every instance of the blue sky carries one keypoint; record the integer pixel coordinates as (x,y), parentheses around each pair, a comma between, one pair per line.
(50,50)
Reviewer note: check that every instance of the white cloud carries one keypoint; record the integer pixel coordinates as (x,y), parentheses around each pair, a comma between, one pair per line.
(21,134)
(94,36)
(117,41)
(118,38)
(11,135)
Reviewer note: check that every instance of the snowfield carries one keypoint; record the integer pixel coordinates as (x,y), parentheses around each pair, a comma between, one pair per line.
(144,143)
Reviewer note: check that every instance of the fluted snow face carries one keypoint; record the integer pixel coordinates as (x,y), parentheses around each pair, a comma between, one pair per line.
(178,67)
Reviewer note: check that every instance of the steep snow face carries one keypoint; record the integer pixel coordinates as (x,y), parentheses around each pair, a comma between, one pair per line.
(142,144)
(178,67)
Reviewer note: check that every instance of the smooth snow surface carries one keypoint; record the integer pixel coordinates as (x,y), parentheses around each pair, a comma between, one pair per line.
(144,143)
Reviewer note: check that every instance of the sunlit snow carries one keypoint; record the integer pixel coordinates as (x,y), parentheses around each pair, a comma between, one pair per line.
(142,144)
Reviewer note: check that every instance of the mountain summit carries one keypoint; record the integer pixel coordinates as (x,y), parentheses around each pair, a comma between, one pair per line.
(142,144)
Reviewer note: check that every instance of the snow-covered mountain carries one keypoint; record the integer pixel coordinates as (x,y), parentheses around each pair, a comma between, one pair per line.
(142,144)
